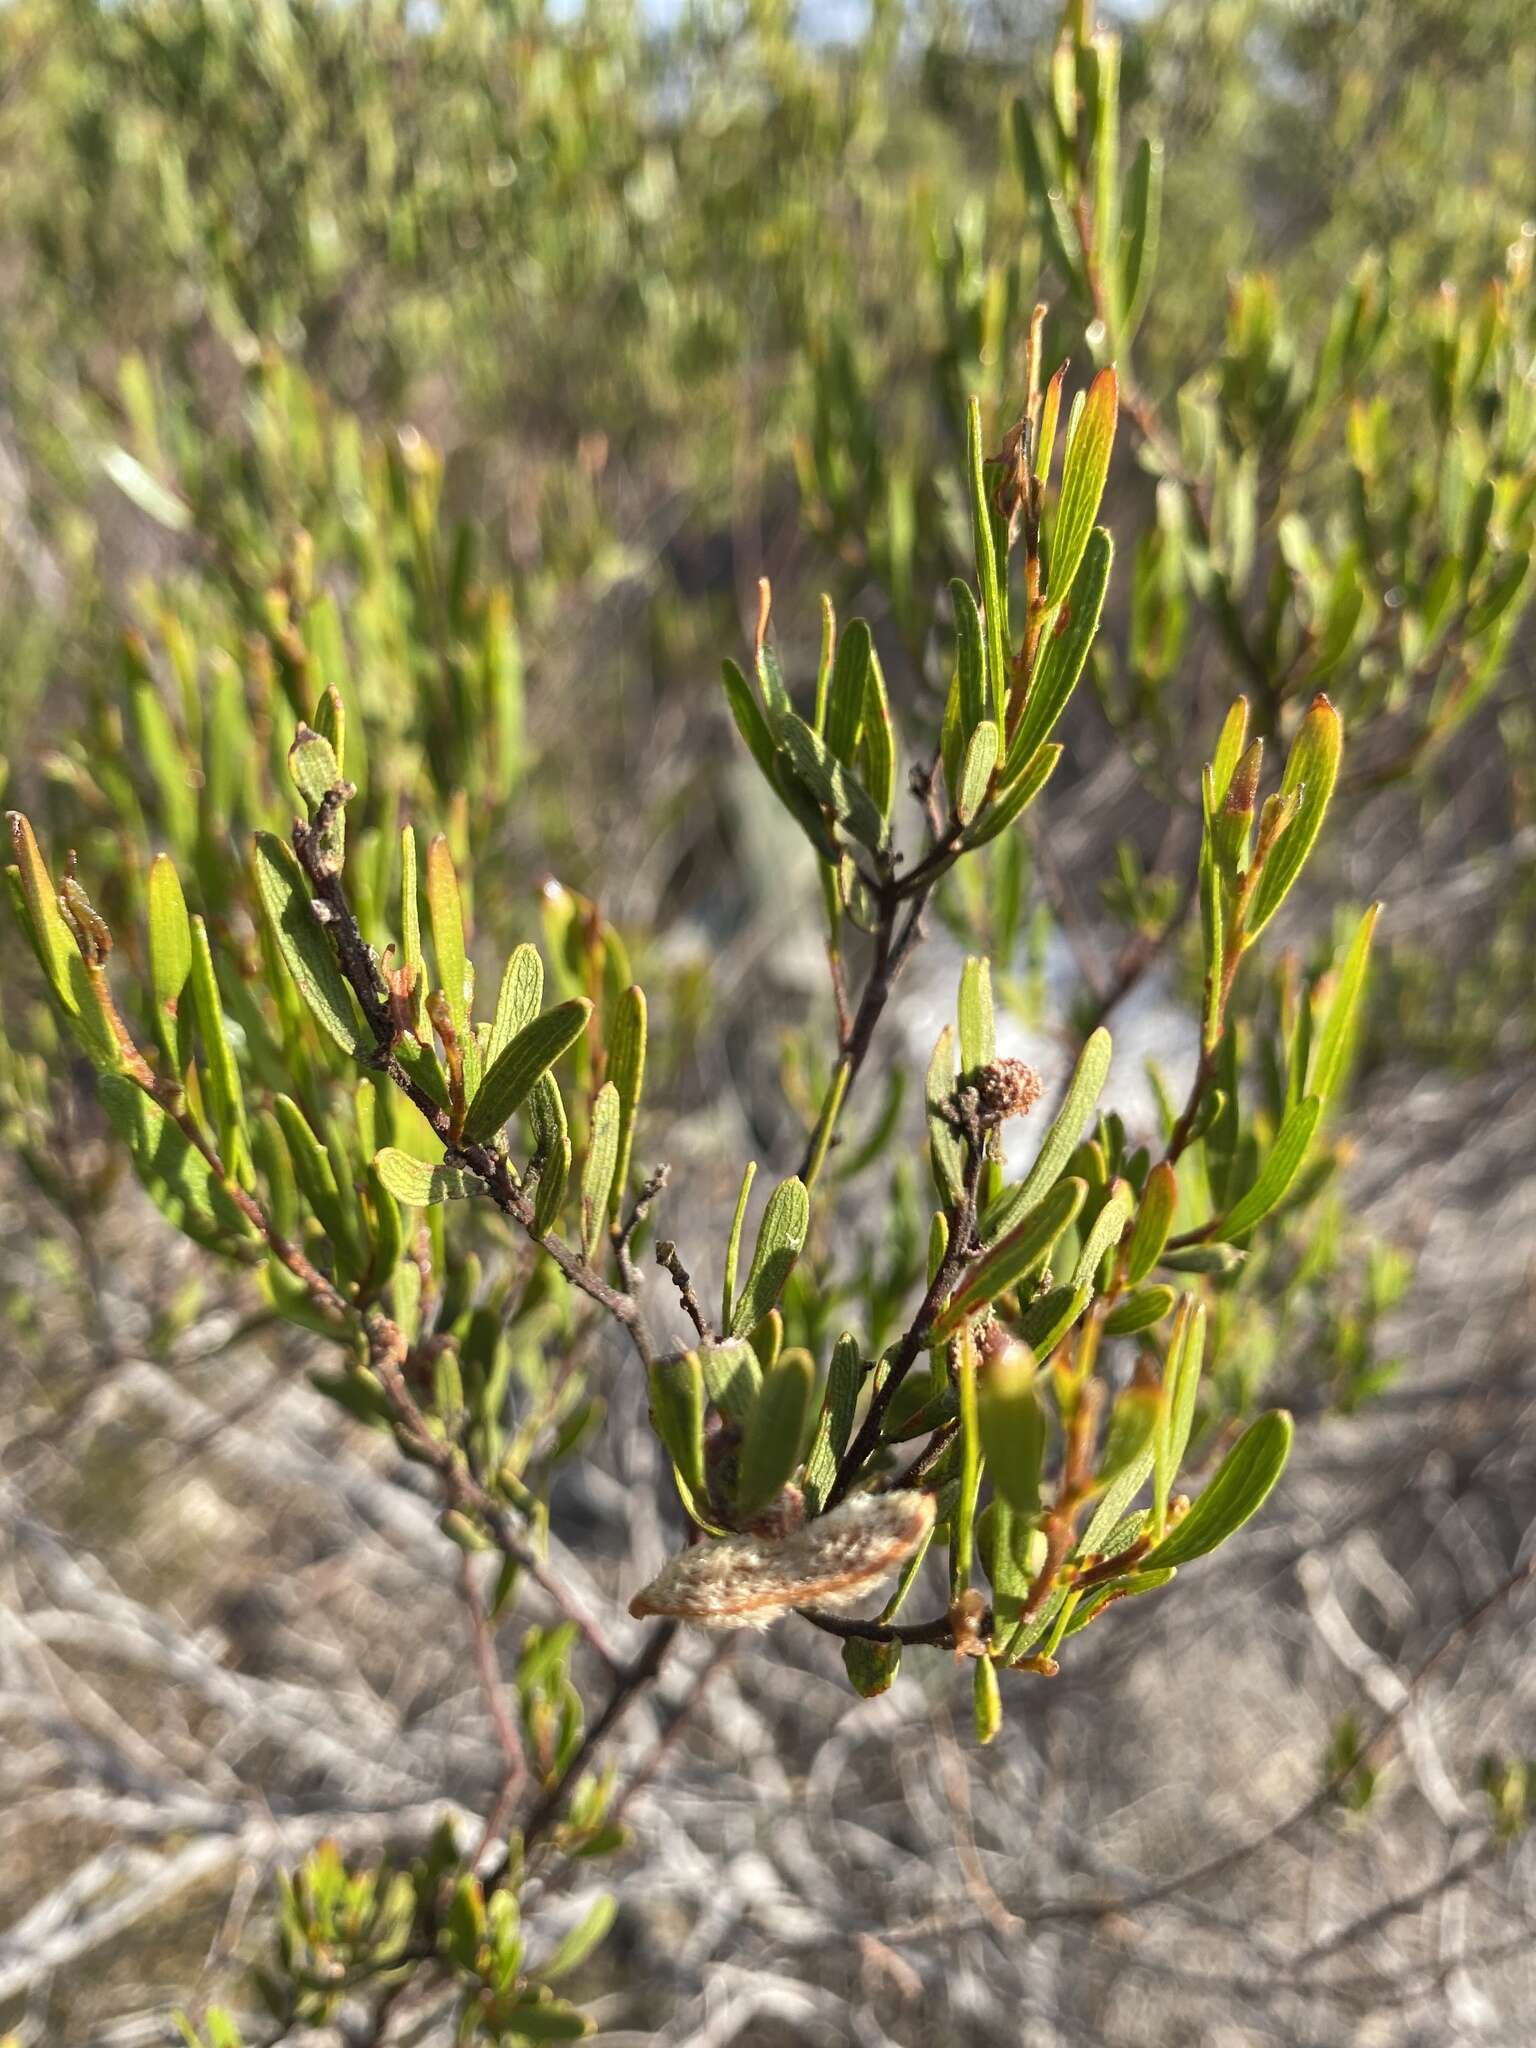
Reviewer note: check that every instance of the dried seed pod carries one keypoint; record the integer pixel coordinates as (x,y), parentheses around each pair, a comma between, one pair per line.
(750,1581)
(1005,1088)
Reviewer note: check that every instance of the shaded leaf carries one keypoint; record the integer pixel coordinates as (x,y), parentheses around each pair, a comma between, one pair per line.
(597,1174)
(779,1240)
(305,949)
(175,1174)
(775,1429)
(677,1414)
(845,1376)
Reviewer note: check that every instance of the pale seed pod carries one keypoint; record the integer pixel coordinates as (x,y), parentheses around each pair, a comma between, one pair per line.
(751,1581)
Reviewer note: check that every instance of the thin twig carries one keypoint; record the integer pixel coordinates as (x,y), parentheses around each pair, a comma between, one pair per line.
(483,1645)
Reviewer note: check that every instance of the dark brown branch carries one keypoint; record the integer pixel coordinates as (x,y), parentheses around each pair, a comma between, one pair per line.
(939,1632)
(360,968)
(667,1258)
(900,1360)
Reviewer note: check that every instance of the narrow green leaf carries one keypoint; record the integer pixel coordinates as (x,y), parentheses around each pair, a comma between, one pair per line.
(330,722)
(829,781)
(1203,1258)
(1012,1422)
(1213,916)
(779,1239)
(962,1520)
(845,1376)
(976,772)
(945,1145)
(1114,1502)
(552,1138)
(1138,1311)
(750,722)
(1231,745)
(1063,652)
(517,1000)
(775,1430)
(529,1054)
(1103,95)
(170,934)
(1013,1258)
(1331,1050)
(1311,770)
(1286,1156)
(417,1183)
(573,1950)
(978,1029)
(225,1098)
(161,747)
(1132,1421)
(1241,1486)
(733,1246)
(1060,1142)
(1141,223)
(313,1171)
(1085,467)
(313,765)
(1050,413)
(305,949)
(446,910)
(970,658)
(1014,798)
(845,701)
(1104,1233)
(677,1414)
(412,958)
(598,1172)
(825,662)
(1098,1597)
(51,938)
(877,743)
(626,1069)
(732,1378)
(988,576)
(1044,192)
(1176,1405)
(145,491)
(986,1700)
(544,2020)
(1154,1220)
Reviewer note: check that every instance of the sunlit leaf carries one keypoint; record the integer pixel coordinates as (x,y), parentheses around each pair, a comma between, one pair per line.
(1241,1486)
